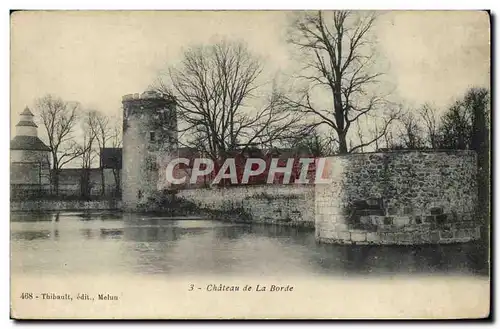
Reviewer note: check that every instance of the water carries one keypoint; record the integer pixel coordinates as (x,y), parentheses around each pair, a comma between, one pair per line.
(107,244)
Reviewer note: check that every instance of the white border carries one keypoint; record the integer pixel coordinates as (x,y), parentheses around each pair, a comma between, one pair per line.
(173,5)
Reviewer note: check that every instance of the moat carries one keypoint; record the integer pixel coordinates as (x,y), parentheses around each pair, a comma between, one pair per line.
(107,243)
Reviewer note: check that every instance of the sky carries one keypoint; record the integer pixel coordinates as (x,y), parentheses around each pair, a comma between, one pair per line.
(97,57)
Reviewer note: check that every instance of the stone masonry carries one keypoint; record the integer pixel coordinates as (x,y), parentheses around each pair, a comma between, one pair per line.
(290,205)
(399,197)
(403,197)
(149,140)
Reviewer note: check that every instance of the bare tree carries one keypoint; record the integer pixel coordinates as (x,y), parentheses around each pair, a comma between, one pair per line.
(338,57)
(360,134)
(116,135)
(431,123)
(465,124)
(59,119)
(315,143)
(213,87)
(103,131)
(87,153)
(389,141)
(87,146)
(456,127)
(478,101)
(116,142)
(374,131)
(411,134)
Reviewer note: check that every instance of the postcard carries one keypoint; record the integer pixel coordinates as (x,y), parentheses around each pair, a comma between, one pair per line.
(250,164)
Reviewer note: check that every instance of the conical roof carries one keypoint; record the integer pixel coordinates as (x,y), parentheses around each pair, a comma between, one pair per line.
(26,124)
(27,111)
(28,143)
(26,134)
(27,119)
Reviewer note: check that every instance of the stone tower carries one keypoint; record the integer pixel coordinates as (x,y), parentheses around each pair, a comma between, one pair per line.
(149,141)
(29,157)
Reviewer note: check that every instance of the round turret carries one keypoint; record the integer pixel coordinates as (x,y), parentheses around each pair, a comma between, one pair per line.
(29,158)
(149,138)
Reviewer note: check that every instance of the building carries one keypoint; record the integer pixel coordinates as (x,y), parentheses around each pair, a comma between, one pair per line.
(29,159)
(89,182)
(135,173)
(111,165)
(149,141)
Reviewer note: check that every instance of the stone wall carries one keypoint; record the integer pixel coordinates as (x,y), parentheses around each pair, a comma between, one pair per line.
(403,197)
(149,140)
(291,205)
(70,181)
(52,205)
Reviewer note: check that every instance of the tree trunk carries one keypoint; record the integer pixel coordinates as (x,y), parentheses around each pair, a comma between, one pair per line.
(85,183)
(342,142)
(103,183)
(116,174)
(55,181)
(339,119)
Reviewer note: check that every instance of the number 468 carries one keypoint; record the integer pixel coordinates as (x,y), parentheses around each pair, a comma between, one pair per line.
(27,295)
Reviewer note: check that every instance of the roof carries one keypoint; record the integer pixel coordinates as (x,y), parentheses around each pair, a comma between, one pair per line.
(253,152)
(27,112)
(27,123)
(28,143)
(187,152)
(111,158)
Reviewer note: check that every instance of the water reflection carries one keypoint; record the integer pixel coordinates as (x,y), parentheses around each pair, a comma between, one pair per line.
(230,233)
(140,244)
(87,233)
(111,233)
(31,235)
(409,259)
(32,217)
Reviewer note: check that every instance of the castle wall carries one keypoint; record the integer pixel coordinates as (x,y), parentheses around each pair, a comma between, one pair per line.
(149,137)
(405,197)
(64,205)
(401,197)
(275,204)
(70,181)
